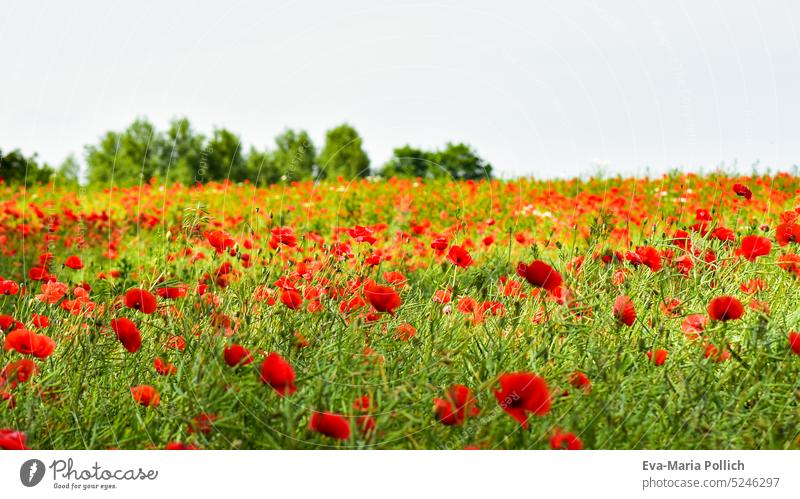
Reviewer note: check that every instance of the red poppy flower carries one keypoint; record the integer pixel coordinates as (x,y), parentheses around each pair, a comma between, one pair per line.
(219,240)
(362,234)
(658,357)
(650,257)
(742,191)
(794,342)
(580,380)
(330,424)
(202,423)
(458,256)
(568,441)
(725,308)
(283,235)
(278,374)
(396,279)
(145,395)
(292,298)
(172,292)
(179,446)
(624,311)
(12,439)
(127,333)
(442,296)
(383,298)
(439,244)
(521,393)
(140,300)
(164,368)
(458,404)
(754,246)
(786,233)
(29,343)
(74,262)
(237,355)
(18,372)
(40,321)
(540,274)
(8,287)
(694,325)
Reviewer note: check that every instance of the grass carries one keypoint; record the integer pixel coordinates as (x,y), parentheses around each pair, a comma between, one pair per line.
(81,398)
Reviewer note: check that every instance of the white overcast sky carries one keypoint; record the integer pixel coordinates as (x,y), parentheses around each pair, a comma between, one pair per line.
(542,88)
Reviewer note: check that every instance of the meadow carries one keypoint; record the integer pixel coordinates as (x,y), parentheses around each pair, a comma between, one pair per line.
(600,313)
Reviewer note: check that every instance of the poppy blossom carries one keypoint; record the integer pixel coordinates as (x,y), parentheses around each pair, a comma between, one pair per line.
(179,446)
(569,441)
(521,393)
(40,321)
(145,395)
(12,439)
(725,308)
(141,300)
(580,380)
(624,311)
(794,342)
(382,298)
(291,298)
(459,256)
(164,368)
(754,246)
(29,343)
(658,357)
(18,372)
(693,325)
(235,355)
(458,404)
(278,374)
(742,191)
(74,262)
(540,275)
(219,240)
(127,333)
(283,235)
(330,424)
(786,233)
(8,287)
(172,292)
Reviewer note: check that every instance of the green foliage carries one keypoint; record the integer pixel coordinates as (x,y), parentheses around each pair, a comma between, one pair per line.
(294,155)
(409,161)
(343,154)
(16,168)
(462,162)
(457,161)
(128,157)
(141,153)
(183,151)
(225,159)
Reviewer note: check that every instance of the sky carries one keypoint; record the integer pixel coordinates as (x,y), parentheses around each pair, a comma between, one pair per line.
(539,88)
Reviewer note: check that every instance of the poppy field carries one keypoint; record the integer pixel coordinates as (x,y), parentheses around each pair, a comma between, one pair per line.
(600,313)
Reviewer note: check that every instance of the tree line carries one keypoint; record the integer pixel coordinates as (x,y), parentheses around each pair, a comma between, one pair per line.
(141,152)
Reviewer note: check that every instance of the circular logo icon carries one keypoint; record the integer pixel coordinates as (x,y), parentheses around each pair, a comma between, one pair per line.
(31,472)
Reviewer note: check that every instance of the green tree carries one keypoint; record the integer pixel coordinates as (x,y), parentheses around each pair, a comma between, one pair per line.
(410,161)
(294,155)
(182,155)
(69,171)
(261,167)
(224,157)
(462,162)
(343,154)
(134,155)
(16,168)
